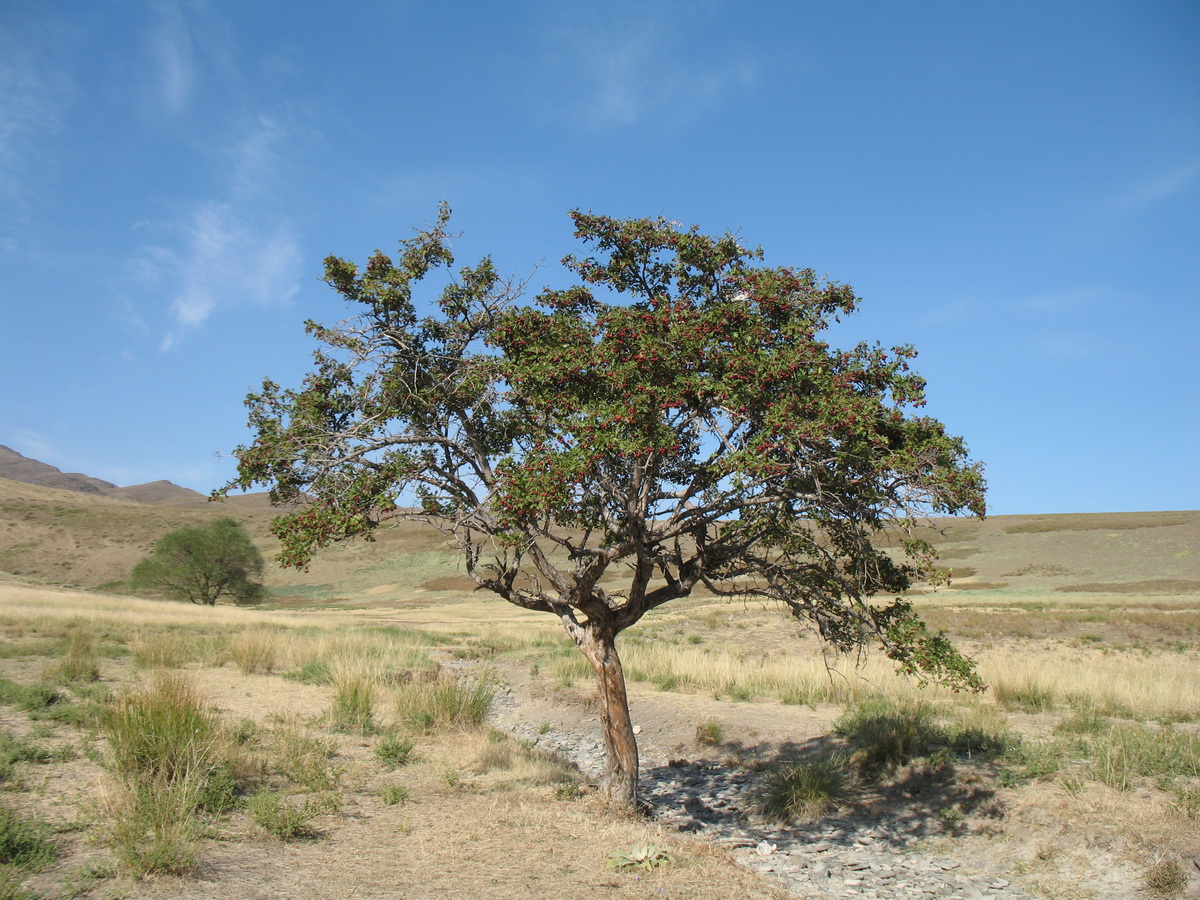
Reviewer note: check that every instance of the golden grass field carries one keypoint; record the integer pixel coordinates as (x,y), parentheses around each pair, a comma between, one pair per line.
(1085,627)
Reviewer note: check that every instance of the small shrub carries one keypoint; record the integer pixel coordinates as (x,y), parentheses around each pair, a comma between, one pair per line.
(34,699)
(645,856)
(14,750)
(887,734)
(354,705)
(255,652)
(283,818)
(1166,878)
(391,794)
(443,703)
(305,758)
(1187,802)
(394,751)
(164,730)
(709,733)
(152,826)
(164,652)
(1031,761)
(806,789)
(315,672)
(23,843)
(80,662)
(1026,696)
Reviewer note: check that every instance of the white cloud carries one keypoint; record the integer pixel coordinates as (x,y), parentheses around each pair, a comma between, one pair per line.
(174,54)
(230,250)
(225,260)
(623,66)
(34,94)
(1161,185)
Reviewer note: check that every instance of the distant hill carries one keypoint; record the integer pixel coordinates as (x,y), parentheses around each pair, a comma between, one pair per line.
(15,467)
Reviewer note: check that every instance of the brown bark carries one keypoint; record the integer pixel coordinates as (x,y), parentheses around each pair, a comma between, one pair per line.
(598,644)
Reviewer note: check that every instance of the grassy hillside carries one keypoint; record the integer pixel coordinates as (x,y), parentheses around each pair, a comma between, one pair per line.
(1082,757)
(91,541)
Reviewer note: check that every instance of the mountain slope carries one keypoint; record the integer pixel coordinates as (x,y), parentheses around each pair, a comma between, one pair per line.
(16,467)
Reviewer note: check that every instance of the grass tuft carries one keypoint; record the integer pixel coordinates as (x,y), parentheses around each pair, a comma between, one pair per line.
(443,704)
(806,789)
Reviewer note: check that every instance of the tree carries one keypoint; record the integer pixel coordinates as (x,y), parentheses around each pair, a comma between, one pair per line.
(676,415)
(202,563)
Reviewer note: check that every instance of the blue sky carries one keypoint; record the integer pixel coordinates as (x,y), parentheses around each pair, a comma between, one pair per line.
(1014,188)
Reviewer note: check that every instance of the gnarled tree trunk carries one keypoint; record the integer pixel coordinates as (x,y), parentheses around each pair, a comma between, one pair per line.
(598,643)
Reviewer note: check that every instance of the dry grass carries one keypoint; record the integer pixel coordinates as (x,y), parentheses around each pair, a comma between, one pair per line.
(1069,671)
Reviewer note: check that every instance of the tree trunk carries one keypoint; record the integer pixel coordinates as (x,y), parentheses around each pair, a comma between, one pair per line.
(620,781)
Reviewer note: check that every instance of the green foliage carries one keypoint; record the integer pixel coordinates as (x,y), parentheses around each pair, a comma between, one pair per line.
(442,704)
(354,705)
(696,428)
(394,751)
(315,671)
(14,750)
(80,662)
(202,563)
(641,856)
(709,733)
(677,416)
(285,819)
(163,730)
(153,828)
(305,758)
(23,843)
(391,794)
(888,734)
(806,789)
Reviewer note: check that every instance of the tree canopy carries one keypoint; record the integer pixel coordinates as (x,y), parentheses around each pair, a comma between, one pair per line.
(676,416)
(202,563)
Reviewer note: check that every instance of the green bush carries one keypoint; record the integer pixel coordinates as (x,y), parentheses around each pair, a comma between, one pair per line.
(709,733)
(23,843)
(354,705)
(152,827)
(80,662)
(315,672)
(202,563)
(394,751)
(888,734)
(163,730)
(393,794)
(806,789)
(443,703)
(13,750)
(285,818)
(304,758)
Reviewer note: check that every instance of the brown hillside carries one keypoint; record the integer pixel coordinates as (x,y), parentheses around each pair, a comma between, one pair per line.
(16,467)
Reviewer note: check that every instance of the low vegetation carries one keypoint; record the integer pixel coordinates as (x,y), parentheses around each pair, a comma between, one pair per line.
(141,738)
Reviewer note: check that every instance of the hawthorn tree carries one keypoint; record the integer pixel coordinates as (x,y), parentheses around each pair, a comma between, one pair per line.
(677,416)
(202,563)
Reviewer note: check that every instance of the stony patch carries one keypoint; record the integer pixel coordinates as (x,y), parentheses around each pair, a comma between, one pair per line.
(835,857)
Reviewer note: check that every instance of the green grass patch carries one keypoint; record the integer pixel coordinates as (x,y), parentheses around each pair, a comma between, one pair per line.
(806,789)
(443,703)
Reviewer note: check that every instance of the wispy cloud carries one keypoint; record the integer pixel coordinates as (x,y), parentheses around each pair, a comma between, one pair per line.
(226,259)
(226,251)
(622,69)
(174,54)
(1161,185)
(34,95)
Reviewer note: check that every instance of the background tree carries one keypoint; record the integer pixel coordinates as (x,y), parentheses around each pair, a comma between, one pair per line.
(202,563)
(676,416)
